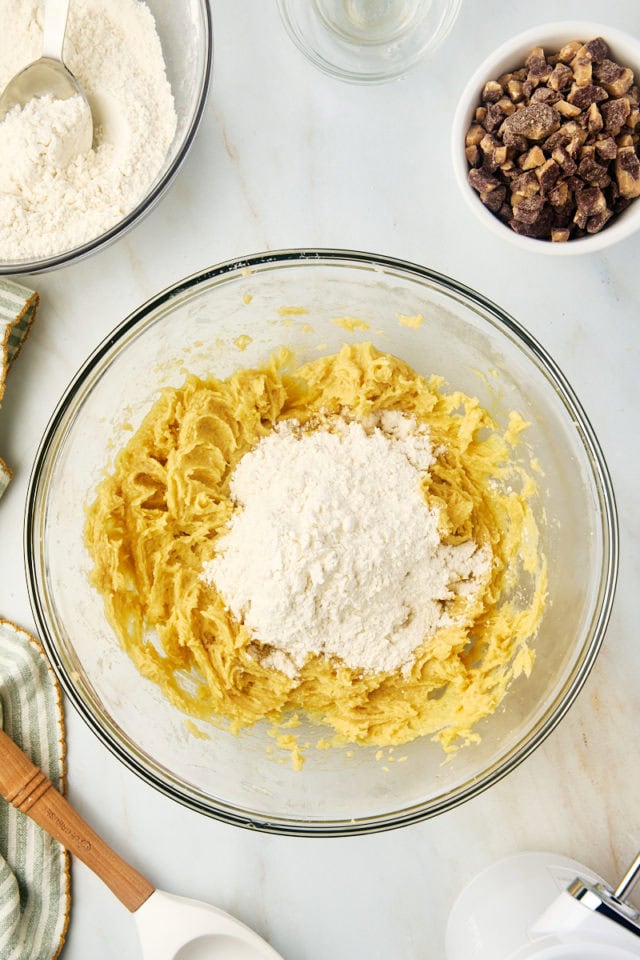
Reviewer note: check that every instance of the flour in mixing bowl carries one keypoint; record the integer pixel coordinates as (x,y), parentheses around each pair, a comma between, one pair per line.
(51,200)
(333,549)
(42,135)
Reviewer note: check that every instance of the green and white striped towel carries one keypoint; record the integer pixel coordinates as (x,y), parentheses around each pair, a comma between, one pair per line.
(34,868)
(18,307)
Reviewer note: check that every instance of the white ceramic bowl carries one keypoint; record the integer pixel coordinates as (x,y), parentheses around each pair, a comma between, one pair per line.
(510,55)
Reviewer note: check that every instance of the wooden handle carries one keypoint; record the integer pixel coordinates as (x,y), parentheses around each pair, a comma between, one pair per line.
(27,788)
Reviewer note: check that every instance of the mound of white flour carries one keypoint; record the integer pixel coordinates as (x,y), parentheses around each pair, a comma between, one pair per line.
(334,550)
(51,200)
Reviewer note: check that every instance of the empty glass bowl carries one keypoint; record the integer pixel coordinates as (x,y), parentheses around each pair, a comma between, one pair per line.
(231,316)
(368,40)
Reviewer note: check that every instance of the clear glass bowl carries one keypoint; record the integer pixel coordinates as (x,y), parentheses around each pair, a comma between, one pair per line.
(192,326)
(187,43)
(366,41)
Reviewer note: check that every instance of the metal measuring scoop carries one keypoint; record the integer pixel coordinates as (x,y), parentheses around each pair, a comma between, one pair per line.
(49,76)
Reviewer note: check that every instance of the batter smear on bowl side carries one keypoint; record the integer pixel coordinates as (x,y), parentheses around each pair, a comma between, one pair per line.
(345,541)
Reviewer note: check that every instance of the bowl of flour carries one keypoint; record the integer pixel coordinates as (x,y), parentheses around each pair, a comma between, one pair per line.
(145,68)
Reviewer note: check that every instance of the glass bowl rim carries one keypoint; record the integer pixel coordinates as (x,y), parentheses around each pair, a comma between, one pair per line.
(150,199)
(196,800)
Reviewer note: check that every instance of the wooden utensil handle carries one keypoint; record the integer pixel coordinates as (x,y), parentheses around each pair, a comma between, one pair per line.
(26,787)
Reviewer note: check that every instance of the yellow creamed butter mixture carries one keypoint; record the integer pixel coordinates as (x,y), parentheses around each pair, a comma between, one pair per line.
(156,518)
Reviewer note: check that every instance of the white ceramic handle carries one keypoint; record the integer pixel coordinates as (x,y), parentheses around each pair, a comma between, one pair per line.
(55,25)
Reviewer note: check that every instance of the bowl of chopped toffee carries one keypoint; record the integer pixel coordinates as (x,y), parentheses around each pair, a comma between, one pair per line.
(545,139)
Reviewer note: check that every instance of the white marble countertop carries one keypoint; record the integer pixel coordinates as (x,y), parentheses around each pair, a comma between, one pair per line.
(288,157)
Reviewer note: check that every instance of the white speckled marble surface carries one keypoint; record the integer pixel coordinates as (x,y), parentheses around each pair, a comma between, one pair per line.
(288,157)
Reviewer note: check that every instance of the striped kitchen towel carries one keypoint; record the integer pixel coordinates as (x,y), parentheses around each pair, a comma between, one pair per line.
(34,868)
(18,307)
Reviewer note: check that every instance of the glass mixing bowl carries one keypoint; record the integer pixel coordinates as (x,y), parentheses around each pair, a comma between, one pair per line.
(187,44)
(202,325)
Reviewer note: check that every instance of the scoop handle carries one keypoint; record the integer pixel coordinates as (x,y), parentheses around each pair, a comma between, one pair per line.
(25,786)
(55,26)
